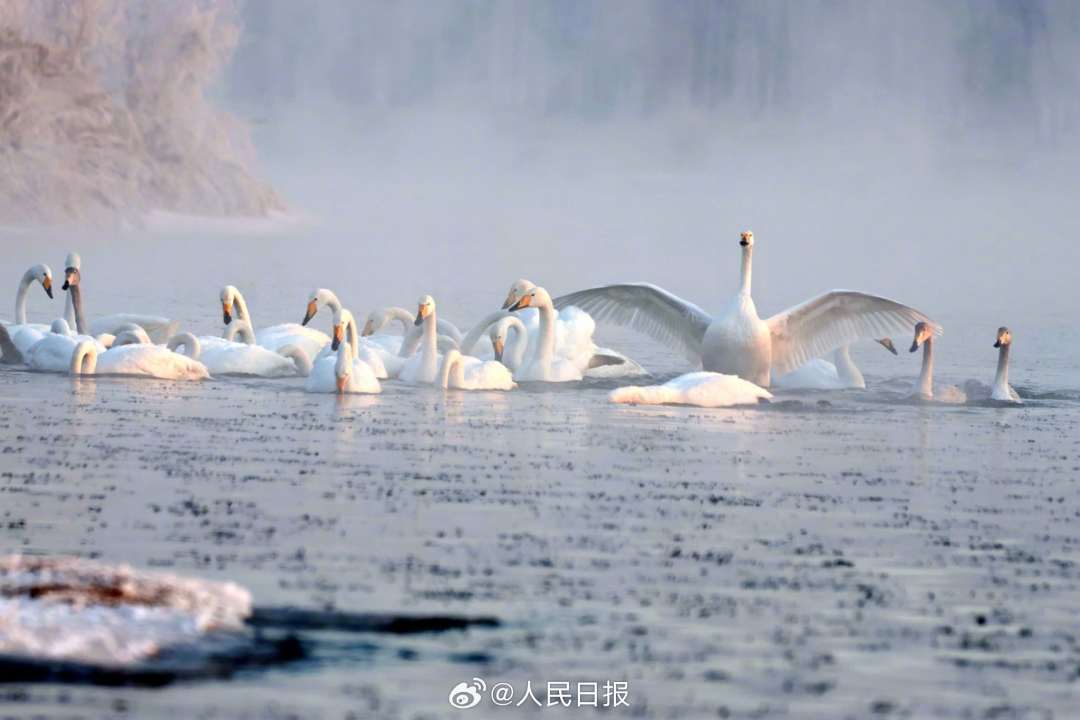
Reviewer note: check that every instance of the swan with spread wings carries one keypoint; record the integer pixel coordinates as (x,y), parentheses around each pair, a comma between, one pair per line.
(738,341)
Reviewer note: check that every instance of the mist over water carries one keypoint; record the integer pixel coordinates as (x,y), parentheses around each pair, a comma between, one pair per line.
(920,150)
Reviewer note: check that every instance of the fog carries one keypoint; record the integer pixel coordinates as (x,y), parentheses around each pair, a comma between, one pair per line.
(921,150)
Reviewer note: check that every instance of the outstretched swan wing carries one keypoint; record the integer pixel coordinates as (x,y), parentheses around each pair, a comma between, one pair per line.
(832,319)
(648,309)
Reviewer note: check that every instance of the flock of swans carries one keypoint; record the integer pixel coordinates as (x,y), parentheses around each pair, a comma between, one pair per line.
(532,338)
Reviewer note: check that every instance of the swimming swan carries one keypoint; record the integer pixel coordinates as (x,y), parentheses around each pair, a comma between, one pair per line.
(346,331)
(1002,391)
(924,386)
(541,364)
(275,337)
(462,372)
(704,389)
(53,352)
(130,356)
(737,341)
(23,334)
(340,373)
(840,374)
(157,328)
(406,344)
(423,367)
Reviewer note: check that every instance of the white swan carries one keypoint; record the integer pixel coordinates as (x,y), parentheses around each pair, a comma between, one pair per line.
(1002,391)
(53,352)
(23,334)
(339,373)
(924,386)
(346,331)
(309,340)
(423,367)
(541,364)
(737,341)
(226,356)
(157,328)
(704,389)
(574,330)
(462,372)
(509,340)
(130,356)
(840,374)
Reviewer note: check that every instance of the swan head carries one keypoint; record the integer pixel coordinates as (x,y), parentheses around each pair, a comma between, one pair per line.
(376,321)
(72,264)
(318,295)
(425,307)
(517,290)
(887,343)
(746,239)
(536,297)
(1004,337)
(228,297)
(312,308)
(923,332)
(43,274)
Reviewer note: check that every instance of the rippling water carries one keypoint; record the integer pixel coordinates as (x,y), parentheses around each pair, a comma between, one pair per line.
(827,555)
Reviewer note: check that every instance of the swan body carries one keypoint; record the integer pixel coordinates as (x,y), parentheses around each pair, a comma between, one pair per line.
(840,374)
(423,367)
(346,331)
(158,328)
(25,335)
(737,340)
(574,330)
(53,352)
(139,359)
(703,389)
(924,386)
(462,372)
(275,337)
(226,357)
(340,373)
(541,364)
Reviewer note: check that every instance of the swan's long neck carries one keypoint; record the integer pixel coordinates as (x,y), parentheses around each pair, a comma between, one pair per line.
(520,344)
(846,369)
(352,333)
(451,365)
(242,309)
(84,359)
(241,328)
(190,343)
(20,297)
(298,356)
(744,278)
(429,346)
(75,298)
(1001,380)
(69,308)
(473,336)
(926,377)
(403,316)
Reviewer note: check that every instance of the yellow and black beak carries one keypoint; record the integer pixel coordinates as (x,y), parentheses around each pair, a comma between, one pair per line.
(511,298)
(226,312)
(521,304)
(339,335)
(499,346)
(915,344)
(47,284)
(421,313)
(71,277)
(312,308)
(887,343)
(997,343)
